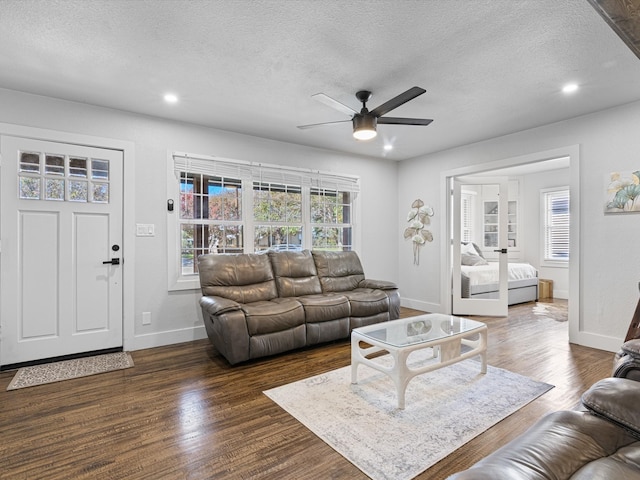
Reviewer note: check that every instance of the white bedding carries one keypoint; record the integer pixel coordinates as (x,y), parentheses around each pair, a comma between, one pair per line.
(488,274)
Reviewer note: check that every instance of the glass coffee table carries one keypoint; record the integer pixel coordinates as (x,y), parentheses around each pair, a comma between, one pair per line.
(445,334)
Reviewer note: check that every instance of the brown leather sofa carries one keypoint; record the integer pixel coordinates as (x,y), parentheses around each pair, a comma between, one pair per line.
(601,441)
(255,305)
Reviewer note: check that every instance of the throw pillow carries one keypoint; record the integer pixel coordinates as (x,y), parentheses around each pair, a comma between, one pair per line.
(472,260)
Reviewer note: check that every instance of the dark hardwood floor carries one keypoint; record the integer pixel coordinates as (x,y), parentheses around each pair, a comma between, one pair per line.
(183,413)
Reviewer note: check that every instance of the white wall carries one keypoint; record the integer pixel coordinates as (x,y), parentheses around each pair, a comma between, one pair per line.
(529,225)
(609,262)
(176,316)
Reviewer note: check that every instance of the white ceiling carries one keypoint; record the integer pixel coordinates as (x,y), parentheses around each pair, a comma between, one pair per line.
(490,67)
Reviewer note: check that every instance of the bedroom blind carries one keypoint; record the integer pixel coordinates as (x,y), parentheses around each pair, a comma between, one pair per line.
(556,227)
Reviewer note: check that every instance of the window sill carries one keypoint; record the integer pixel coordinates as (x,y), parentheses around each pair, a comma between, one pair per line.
(551,264)
(185,284)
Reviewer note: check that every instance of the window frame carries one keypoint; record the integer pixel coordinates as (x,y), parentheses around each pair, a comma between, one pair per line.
(545,195)
(250,174)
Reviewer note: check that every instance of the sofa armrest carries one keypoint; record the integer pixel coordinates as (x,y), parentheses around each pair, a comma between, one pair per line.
(379,284)
(616,400)
(556,447)
(218,305)
(626,363)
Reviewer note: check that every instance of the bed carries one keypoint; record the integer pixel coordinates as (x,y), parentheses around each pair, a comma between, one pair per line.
(480,278)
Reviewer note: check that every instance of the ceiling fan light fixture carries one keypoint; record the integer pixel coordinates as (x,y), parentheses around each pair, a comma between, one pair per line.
(364,127)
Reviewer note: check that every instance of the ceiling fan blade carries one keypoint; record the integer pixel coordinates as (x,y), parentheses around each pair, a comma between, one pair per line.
(327,100)
(395,102)
(303,127)
(404,121)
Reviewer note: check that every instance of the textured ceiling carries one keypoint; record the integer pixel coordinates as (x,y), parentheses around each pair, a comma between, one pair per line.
(490,67)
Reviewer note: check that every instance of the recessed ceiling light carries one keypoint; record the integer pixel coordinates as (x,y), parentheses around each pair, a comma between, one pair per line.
(170,98)
(388,147)
(570,88)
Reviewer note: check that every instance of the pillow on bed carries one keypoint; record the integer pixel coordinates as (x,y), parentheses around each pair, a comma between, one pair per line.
(472,259)
(471,249)
(478,249)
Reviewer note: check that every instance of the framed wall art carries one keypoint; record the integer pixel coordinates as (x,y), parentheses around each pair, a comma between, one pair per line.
(622,194)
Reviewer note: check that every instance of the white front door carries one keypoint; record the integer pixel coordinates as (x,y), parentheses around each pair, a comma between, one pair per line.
(61,221)
(497,305)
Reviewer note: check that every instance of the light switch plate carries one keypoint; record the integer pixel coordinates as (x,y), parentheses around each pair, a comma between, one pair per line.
(145,230)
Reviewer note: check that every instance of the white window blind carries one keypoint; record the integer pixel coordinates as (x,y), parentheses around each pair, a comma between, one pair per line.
(556,225)
(259,172)
(231,206)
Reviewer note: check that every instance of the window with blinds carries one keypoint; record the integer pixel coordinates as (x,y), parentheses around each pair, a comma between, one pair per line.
(555,226)
(230,207)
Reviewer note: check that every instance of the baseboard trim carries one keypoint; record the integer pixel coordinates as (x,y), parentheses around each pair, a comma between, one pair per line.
(160,339)
(421,305)
(593,340)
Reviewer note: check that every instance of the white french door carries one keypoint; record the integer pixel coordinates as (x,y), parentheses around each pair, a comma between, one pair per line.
(497,305)
(61,249)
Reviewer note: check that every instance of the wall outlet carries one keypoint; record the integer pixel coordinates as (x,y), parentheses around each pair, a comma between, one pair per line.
(146,318)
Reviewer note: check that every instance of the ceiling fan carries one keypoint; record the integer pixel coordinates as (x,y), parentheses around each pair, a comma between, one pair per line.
(365,121)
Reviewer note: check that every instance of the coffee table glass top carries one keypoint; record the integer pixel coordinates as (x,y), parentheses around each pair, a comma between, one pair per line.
(420,329)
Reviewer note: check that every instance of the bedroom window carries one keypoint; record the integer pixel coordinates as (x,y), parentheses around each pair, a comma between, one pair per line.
(229,206)
(555,225)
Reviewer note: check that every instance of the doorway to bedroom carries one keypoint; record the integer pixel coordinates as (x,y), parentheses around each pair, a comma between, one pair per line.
(534,236)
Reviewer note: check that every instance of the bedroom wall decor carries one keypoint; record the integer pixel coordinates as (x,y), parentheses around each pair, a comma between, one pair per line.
(418,218)
(622,192)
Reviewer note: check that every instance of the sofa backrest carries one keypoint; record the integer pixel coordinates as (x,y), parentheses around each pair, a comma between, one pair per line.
(242,278)
(295,273)
(338,271)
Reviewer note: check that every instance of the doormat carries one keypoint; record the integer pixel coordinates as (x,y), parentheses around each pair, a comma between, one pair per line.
(68,369)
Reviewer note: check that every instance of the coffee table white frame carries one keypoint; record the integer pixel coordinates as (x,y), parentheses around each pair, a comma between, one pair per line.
(446,336)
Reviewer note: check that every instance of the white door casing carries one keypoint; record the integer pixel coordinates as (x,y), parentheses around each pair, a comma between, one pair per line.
(484,306)
(56,295)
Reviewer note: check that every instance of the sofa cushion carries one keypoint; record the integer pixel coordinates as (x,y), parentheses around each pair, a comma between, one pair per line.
(338,271)
(365,302)
(244,278)
(623,465)
(322,332)
(325,307)
(295,273)
(273,316)
(277,342)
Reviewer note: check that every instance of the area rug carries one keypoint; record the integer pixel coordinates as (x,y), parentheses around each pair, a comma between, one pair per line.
(557,312)
(444,410)
(68,369)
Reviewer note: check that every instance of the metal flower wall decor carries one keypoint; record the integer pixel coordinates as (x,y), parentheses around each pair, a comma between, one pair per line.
(418,217)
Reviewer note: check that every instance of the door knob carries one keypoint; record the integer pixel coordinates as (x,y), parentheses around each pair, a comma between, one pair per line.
(501,250)
(113,261)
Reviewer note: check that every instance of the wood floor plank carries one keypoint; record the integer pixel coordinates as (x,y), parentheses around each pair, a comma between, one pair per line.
(183,413)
